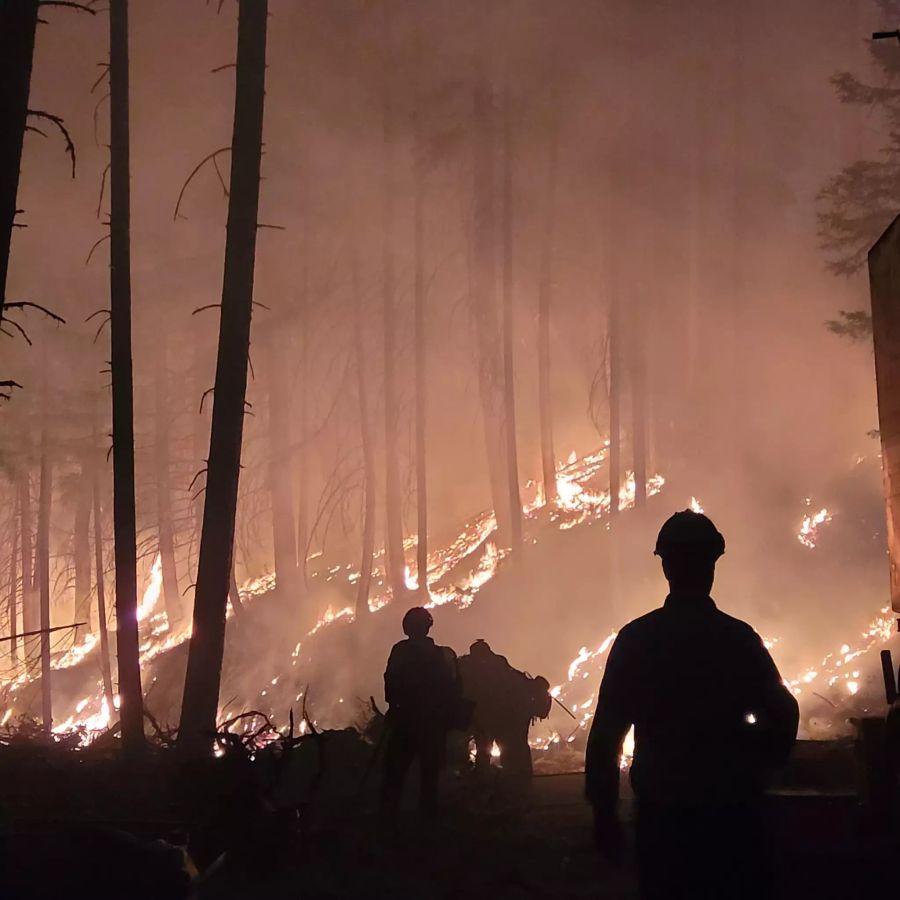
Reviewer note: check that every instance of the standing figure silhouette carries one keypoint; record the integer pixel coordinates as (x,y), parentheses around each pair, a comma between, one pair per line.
(712,721)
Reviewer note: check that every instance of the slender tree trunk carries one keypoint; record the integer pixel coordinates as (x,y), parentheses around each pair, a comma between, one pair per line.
(81,540)
(164,519)
(127,641)
(394,556)
(545,296)
(13,589)
(204,667)
(105,665)
(284,537)
(30,615)
(421,370)
(483,302)
(364,584)
(18,24)
(638,403)
(615,381)
(509,379)
(302,455)
(43,565)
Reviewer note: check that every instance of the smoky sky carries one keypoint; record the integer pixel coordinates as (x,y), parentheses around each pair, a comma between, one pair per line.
(692,140)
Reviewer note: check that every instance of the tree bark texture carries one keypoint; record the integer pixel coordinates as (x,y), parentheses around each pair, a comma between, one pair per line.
(18,25)
(615,387)
(545,296)
(509,371)
(204,667)
(284,537)
(368,447)
(81,547)
(164,519)
(30,614)
(105,663)
(43,568)
(13,596)
(483,303)
(395,560)
(127,641)
(421,338)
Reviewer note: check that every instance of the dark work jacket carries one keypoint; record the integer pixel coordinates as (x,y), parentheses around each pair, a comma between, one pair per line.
(420,682)
(712,717)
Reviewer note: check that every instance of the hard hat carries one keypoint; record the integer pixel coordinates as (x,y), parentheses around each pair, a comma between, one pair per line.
(480,648)
(689,533)
(417,622)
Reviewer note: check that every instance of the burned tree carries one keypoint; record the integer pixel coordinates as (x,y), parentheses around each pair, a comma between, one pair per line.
(421,341)
(43,576)
(12,597)
(204,668)
(18,24)
(509,379)
(131,698)
(545,291)
(394,556)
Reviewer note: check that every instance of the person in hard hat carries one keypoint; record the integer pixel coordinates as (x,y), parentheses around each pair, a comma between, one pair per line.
(712,721)
(506,701)
(422,690)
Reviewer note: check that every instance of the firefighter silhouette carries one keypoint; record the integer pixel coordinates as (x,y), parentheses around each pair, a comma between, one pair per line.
(712,720)
(506,701)
(422,691)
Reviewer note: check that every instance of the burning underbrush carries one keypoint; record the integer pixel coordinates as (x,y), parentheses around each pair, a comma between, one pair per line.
(554,612)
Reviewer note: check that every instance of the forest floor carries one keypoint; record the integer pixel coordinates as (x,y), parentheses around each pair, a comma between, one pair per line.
(542,847)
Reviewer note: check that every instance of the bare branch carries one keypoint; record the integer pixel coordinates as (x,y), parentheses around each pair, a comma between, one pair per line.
(102,189)
(27,304)
(97,243)
(58,122)
(36,130)
(103,74)
(94,315)
(204,308)
(206,393)
(18,328)
(197,168)
(78,6)
(194,479)
(271,227)
(222,68)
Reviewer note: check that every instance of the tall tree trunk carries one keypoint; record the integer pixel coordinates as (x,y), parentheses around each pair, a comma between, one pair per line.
(545,294)
(204,667)
(509,379)
(483,302)
(615,388)
(395,560)
(81,541)
(164,520)
(364,584)
(638,401)
(105,665)
(127,642)
(302,455)
(18,24)
(30,615)
(43,567)
(421,370)
(12,598)
(284,537)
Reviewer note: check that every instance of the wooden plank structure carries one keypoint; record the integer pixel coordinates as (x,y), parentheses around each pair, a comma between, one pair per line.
(884,284)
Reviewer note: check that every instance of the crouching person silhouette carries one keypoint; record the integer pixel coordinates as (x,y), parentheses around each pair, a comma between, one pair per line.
(712,721)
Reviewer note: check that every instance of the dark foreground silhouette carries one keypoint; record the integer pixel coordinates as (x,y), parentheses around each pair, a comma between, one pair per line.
(712,719)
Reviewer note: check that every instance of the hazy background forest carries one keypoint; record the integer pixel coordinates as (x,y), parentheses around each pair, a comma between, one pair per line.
(657,158)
